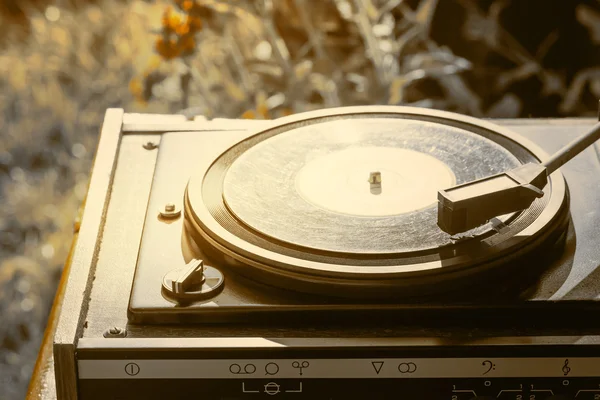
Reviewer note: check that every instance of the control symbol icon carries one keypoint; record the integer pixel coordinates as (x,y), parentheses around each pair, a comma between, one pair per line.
(377,365)
(489,365)
(299,390)
(407,368)
(132,369)
(297,365)
(271,368)
(272,388)
(236,369)
(244,390)
(566,369)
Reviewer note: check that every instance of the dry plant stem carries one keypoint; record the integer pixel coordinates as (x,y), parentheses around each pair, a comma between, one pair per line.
(238,60)
(371,43)
(313,33)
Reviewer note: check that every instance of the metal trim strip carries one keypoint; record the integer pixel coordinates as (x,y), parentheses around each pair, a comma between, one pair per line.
(261,342)
(74,307)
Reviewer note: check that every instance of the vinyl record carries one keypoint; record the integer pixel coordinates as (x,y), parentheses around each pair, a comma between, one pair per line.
(346,199)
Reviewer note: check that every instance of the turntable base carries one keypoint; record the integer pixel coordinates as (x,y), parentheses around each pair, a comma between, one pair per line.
(509,335)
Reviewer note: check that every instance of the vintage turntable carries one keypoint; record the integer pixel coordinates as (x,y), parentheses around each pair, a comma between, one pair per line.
(302,258)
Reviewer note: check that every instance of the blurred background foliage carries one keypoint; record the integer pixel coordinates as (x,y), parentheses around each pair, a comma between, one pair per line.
(63,62)
(483,58)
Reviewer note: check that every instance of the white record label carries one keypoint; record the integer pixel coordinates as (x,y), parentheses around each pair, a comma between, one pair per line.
(408,181)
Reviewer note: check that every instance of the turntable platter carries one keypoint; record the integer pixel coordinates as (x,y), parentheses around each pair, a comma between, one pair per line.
(310,186)
(344,199)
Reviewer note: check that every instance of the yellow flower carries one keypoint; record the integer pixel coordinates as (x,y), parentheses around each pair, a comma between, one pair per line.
(167,49)
(182,29)
(187,44)
(187,5)
(137,89)
(249,114)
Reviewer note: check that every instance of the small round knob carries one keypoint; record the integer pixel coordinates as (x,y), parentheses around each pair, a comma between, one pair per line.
(170,211)
(193,282)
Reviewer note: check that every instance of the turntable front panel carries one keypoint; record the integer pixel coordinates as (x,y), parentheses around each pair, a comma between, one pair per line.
(419,369)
